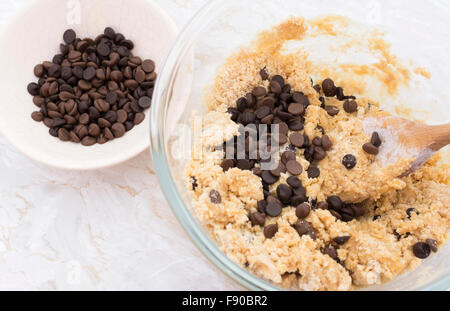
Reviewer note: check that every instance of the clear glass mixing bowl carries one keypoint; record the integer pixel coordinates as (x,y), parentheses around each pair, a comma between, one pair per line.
(418,29)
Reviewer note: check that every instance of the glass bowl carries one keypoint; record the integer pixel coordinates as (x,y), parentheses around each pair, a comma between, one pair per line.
(415,29)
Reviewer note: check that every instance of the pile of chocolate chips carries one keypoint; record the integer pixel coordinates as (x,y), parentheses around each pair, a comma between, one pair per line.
(94,90)
(280,105)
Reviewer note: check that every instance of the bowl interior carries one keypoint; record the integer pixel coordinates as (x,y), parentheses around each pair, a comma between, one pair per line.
(222,27)
(34,35)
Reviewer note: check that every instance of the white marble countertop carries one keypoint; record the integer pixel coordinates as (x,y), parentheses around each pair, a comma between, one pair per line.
(110,229)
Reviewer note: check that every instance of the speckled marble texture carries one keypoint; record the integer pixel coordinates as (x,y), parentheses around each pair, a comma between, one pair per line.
(110,229)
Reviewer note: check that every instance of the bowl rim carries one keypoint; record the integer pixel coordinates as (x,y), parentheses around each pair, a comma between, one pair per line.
(158,150)
(141,145)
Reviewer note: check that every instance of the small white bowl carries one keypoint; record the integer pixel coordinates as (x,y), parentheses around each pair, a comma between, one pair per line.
(34,35)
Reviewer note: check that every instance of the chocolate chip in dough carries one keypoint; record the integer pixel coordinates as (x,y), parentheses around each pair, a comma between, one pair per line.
(341,240)
(335,202)
(329,89)
(215,197)
(302,211)
(331,251)
(421,250)
(313,172)
(261,206)
(375,139)
(297,139)
(273,208)
(294,182)
(332,110)
(432,244)
(268,178)
(257,219)
(350,106)
(264,74)
(349,161)
(294,168)
(227,164)
(370,149)
(270,231)
(284,193)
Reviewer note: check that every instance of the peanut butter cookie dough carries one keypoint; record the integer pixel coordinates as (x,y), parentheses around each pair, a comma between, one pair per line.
(332,215)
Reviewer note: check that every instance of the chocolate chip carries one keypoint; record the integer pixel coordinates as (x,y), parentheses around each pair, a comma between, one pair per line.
(148,65)
(331,110)
(347,213)
(215,197)
(257,219)
(103,49)
(275,87)
(317,141)
(262,112)
(273,209)
(259,91)
(313,172)
(294,168)
(89,73)
(118,129)
(296,109)
(294,182)
(270,231)
(302,211)
(322,205)
(421,250)
(358,209)
(335,214)
(340,93)
(335,202)
(370,149)
(375,139)
(279,79)
(326,143)
(376,217)
(88,141)
(331,251)
(329,89)
(341,240)
(262,206)
(264,75)
(349,161)
(227,164)
(297,140)
(268,178)
(145,102)
(300,98)
(244,165)
(278,170)
(284,193)
(432,244)
(303,227)
(287,156)
(350,106)
(37,116)
(319,154)
(69,36)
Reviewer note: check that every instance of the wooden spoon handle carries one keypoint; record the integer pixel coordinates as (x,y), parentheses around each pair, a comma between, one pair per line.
(438,136)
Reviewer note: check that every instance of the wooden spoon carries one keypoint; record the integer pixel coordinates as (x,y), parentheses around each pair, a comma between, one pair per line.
(403,138)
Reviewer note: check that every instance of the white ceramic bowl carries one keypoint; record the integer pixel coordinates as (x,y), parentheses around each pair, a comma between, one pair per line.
(34,35)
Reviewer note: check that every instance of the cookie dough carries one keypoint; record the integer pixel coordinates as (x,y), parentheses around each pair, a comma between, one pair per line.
(398,212)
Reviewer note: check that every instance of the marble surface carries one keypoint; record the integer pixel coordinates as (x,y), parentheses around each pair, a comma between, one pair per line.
(110,229)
